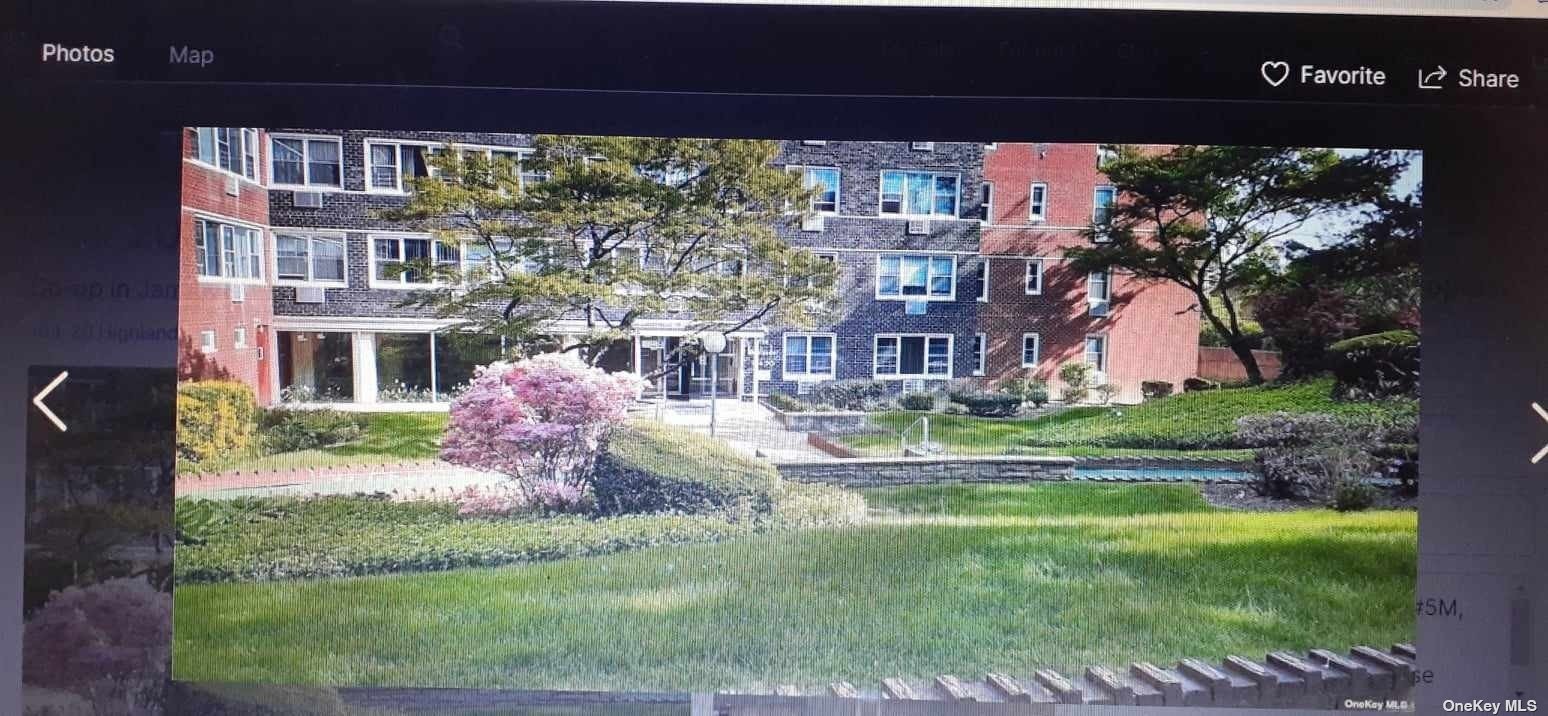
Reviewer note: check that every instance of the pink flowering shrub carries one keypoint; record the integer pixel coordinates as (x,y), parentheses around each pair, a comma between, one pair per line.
(475,501)
(553,497)
(105,641)
(538,420)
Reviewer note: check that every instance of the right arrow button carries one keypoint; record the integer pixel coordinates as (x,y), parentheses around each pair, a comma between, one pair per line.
(1543,452)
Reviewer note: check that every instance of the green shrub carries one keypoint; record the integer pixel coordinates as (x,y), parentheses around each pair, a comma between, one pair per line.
(917,401)
(649,468)
(989,405)
(1353,495)
(285,430)
(784,402)
(1104,392)
(1199,385)
(1375,366)
(1155,389)
(1032,391)
(1077,381)
(855,394)
(215,419)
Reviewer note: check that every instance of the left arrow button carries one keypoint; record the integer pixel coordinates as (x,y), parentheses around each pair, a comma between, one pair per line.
(37,400)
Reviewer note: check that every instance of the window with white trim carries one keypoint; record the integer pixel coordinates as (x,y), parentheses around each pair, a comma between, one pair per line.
(207,341)
(983,280)
(1102,204)
(986,203)
(1034,281)
(823,182)
(228,251)
(924,194)
(980,348)
(306,161)
(239,338)
(810,355)
(1037,202)
(234,149)
(1105,154)
(924,276)
(1096,352)
(912,356)
(1099,287)
(389,252)
(813,281)
(309,259)
(390,166)
(1031,345)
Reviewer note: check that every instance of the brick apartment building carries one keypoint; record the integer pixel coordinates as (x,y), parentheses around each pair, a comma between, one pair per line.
(915,229)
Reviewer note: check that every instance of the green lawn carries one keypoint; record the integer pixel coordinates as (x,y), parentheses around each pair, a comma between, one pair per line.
(389,438)
(1194,424)
(945,579)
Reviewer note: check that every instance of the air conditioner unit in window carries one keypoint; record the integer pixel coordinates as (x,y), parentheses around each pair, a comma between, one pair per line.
(311,294)
(233,187)
(803,388)
(922,146)
(914,385)
(918,227)
(814,142)
(306,199)
(1099,308)
(1042,150)
(238,292)
(812,223)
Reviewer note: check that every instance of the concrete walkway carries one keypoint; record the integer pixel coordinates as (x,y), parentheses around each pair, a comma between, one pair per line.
(426,479)
(744,425)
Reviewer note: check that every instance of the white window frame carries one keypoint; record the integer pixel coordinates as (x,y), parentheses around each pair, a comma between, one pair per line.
(784,353)
(1096,204)
(310,237)
(1037,349)
(987,202)
(1085,351)
(983,282)
(926,296)
(306,161)
(927,375)
(238,154)
(1037,208)
(239,337)
(1107,287)
(257,262)
(805,170)
(1034,269)
(1103,153)
(402,284)
(397,158)
(208,342)
(902,213)
(981,345)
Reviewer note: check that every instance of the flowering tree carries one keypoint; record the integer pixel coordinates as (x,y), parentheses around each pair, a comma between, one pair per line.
(538,420)
(108,642)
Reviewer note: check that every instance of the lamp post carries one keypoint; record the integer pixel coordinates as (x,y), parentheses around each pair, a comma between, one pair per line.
(713,344)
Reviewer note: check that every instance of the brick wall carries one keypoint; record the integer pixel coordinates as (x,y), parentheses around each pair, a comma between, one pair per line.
(205,305)
(1220,364)
(1151,333)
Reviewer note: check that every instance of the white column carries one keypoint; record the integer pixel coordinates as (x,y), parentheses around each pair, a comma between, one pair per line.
(757,361)
(365,367)
(435,391)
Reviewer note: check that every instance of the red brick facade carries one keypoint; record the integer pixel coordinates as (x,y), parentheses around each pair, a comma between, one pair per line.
(229,310)
(1150,332)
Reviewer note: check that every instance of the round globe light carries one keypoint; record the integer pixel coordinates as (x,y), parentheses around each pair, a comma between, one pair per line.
(714,342)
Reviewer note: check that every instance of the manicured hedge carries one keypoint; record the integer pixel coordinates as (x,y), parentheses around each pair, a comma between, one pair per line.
(342,536)
(1379,365)
(215,419)
(649,468)
(988,405)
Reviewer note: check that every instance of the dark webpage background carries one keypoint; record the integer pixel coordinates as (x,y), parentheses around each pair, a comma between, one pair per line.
(89,185)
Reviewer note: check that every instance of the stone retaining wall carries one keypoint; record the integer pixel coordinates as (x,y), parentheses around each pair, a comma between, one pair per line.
(840,421)
(885,471)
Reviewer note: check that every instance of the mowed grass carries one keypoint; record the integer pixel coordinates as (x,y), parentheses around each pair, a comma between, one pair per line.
(943,579)
(389,438)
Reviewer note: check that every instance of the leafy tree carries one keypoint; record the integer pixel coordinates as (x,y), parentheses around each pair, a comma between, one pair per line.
(606,231)
(1211,218)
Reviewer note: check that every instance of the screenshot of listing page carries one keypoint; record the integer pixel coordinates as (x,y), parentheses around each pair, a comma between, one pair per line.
(759,359)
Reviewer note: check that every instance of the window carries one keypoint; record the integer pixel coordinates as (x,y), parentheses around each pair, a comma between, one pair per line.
(390,162)
(207,341)
(1096,352)
(824,183)
(912,356)
(809,355)
(1037,203)
(1034,285)
(310,259)
(916,276)
(918,194)
(1105,154)
(303,161)
(227,251)
(980,345)
(232,149)
(479,261)
(1102,205)
(983,281)
(986,203)
(389,252)
(1030,343)
(1099,287)
(239,338)
(812,281)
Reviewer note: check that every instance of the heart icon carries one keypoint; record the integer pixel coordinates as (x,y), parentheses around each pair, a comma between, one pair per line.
(1275,72)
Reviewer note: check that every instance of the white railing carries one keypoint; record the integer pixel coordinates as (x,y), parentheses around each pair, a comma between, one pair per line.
(924,440)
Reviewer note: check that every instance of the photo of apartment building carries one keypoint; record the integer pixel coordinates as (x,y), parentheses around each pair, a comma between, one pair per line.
(948,257)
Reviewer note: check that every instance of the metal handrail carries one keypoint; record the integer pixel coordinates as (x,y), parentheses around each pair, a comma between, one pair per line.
(925,434)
